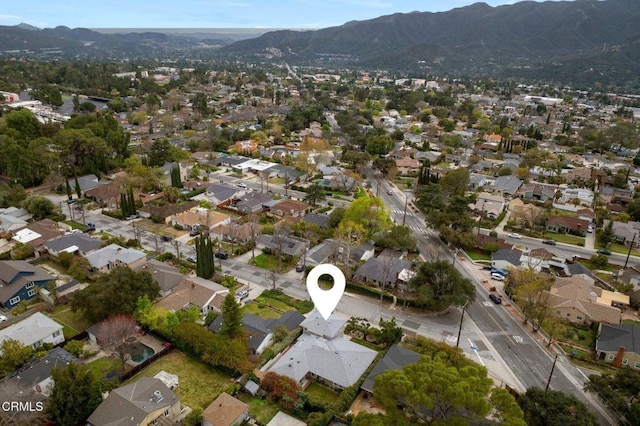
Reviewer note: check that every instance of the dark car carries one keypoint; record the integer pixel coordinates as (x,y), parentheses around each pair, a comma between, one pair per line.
(194,232)
(299,268)
(606,252)
(550,242)
(222,255)
(495,299)
(90,227)
(166,238)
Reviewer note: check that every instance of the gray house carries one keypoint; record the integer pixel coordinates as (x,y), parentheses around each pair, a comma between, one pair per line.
(505,185)
(72,243)
(251,202)
(395,359)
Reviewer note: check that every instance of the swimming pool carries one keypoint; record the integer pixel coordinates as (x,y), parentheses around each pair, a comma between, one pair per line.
(140,352)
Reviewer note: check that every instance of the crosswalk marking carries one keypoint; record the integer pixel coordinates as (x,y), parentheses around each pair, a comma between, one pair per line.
(396,211)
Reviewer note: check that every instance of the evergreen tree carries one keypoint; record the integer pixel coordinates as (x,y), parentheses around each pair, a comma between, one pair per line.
(231,317)
(175,177)
(68,188)
(76,393)
(204,254)
(132,202)
(78,189)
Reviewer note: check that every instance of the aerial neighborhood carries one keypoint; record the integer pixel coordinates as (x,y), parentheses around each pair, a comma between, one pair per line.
(157,226)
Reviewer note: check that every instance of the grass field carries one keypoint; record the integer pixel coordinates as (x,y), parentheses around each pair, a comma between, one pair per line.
(565,238)
(476,255)
(321,393)
(199,384)
(105,365)
(261,410)
(72,322)
(266,261)
(263,311)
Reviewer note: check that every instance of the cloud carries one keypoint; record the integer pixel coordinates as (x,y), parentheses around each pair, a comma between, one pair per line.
(11,18)
(227,3)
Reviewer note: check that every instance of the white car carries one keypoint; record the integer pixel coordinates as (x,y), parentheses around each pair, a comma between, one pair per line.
(242,185)
(3,318)
(497,277)
(514,235)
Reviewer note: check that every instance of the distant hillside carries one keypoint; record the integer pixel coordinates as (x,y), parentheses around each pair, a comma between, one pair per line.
(582,40)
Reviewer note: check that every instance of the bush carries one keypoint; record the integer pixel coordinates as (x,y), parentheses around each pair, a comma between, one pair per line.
(75,348)
(178,227)
(165,256)
(116,214)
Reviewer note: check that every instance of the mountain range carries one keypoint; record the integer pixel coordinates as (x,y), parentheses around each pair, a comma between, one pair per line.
(589,42)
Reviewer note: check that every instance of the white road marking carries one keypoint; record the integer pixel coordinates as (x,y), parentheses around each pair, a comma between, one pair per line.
(518,339)
(474,349)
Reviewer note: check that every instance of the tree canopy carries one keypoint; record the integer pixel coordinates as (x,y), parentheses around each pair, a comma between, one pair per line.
(370,212)
(75,395)
(439,284)
(553,408)
(114,293)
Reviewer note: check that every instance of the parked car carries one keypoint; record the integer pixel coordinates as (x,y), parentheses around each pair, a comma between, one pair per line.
(194,232)
(497,277)
(590,228)
(606,252)
(242,185)
(242,294)
(133,216)
(222,255)
(3,318)
(514,235)
(193,259)
(90,227)
(389,192)
(495,298)
(299,268)
(166,238)
(550,242)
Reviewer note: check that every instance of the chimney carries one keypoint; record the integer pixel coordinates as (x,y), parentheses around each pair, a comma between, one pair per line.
(617,361)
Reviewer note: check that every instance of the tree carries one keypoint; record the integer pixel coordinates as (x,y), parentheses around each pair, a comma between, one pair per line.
(440,284)
(114,293)
(432,391)
(379,144)
(75,395)
(530,292)
(39,207)
(618,390)
(204,256)
(390,332)
(370,212)
(254,231)
(175,177)
(607,235)
(350,233)
(14,356)
(117,331)
(231,317)
(171,194)
(455,181)
(553,408)
(397,238)
(315,194)
(282,389)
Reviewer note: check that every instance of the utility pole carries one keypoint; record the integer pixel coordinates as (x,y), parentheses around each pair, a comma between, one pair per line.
(551,374)
(461,319)
(633,240)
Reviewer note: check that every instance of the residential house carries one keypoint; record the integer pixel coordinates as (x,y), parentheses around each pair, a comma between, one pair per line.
(507,186)
(259,330)
(289,207)
(537,192)
(225,410)
(36,375)
(34,331)
(407,166)
(113,255)
(505,259)
(202,157)
(251,202)
(477,180)
(164,213)
(625,233)
(525,215)
(586,214)
(619,345)
(489,205)
(577,300)
(362,253)
(204,294)
(107,195)
(81,244)
(577,269)
(240,233)
(574,199)
(12,219)
(35,234)
(320,219)
(246,146)
(390,271)
(578,176)
(396,358)
(289,246)
(322,354)
(326,251)
(166,276)
(86,183)
(200,218)
(20,280)
(147,401)
(566,225)
(288,173)
(221,194)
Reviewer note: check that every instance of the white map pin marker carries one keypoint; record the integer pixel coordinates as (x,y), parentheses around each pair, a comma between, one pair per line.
(326,300)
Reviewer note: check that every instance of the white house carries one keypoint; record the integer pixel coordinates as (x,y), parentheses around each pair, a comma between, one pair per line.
(34,331)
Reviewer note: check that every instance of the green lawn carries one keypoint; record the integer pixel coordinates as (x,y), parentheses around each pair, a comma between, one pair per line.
(264,311)
(199,384)
(591,266)
(271,296)
(321,393)
(634,323)
(261,410)
(619,248)
(276,181)
(105,365)
(74,224)
(266,261)
(73,322)
(565,238)
(476,255)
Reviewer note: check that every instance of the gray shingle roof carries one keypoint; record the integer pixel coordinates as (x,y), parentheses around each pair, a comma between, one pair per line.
(319,219)
(511,256)
(508,184)
(83,242)
(395,359)
(579,269)
(382,269)
(221,191)
(613,336)
(41,368)
(112,253)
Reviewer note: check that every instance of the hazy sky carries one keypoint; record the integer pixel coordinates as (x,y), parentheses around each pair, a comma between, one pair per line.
(212,13)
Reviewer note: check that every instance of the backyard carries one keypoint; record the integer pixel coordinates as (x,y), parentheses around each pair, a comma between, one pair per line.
(261,410)
(323,394)
(199,384)
(103,367)
(72,322)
